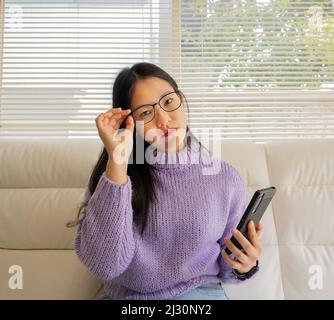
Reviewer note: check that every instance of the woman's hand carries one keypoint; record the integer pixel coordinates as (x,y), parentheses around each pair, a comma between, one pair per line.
(116,142)
(245,258)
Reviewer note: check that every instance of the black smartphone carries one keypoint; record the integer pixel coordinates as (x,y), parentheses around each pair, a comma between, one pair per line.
(254,211)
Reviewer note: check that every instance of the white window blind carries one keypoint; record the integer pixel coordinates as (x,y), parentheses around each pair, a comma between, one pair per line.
(259,70)
(60,59)
(251,70)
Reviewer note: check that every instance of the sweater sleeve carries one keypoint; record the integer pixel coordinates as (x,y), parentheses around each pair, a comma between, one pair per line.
(105,241)
(236,208)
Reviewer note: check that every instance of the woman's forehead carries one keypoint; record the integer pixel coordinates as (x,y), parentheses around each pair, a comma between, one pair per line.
(149,91)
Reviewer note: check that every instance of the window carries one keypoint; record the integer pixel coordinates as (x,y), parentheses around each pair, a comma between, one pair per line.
(60,59)
(259,70)
(251,70)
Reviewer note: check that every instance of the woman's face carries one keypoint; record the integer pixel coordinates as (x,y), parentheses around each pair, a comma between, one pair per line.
(149,91)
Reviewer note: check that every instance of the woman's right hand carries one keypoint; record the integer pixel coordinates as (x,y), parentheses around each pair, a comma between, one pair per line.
(116,143)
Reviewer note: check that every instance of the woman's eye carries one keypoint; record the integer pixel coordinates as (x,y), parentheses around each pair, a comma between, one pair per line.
(143,114)
(168,100)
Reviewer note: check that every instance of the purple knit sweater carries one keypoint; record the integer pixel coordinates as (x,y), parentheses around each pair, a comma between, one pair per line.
(199,199)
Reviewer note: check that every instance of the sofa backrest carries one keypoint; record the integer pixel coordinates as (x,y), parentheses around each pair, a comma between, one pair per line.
(298,257)
(42,183)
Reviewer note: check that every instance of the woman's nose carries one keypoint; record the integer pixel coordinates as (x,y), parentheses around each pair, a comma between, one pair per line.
(161,117)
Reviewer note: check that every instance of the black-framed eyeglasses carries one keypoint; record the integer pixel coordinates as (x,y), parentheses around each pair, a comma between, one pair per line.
(168,102)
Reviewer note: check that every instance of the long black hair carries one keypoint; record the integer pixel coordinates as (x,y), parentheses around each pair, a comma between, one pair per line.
(141,175)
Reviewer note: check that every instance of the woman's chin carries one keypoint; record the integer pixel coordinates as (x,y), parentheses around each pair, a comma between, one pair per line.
(172,145)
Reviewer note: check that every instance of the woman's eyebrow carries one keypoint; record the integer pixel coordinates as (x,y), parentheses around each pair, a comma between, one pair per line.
(144,104)
(165,93)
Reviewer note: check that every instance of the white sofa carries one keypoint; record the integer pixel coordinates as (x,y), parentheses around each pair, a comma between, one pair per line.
(42,183)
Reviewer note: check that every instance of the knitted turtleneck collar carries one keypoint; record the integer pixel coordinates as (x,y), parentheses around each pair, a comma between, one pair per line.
(177,160)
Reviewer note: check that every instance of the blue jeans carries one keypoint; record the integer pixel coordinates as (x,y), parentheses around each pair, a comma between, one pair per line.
(208,291)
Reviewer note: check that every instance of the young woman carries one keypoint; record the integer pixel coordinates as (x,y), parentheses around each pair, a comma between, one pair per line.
(155,227)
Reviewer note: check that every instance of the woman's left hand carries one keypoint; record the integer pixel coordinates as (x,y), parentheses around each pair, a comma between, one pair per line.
(245,258)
